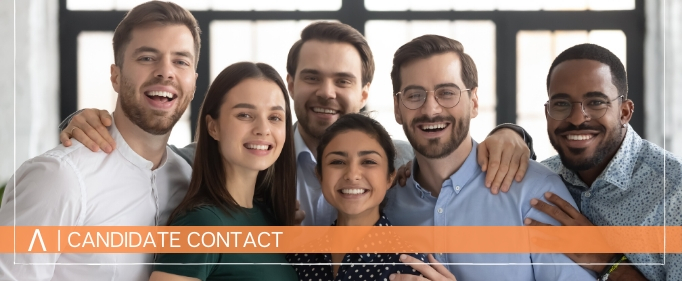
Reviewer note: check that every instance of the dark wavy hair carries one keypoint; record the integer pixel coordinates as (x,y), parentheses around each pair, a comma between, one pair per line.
(275,186)
(357,122)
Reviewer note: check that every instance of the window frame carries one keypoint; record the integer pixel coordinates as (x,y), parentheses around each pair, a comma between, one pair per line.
(354,13)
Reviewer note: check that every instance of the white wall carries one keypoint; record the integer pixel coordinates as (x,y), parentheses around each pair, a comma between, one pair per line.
(663,74)
(37,76)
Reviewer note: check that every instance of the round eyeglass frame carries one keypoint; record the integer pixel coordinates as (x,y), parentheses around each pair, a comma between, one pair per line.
(434,96)
(582,108)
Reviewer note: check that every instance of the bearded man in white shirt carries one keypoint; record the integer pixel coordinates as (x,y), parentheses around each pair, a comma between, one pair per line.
(156,49)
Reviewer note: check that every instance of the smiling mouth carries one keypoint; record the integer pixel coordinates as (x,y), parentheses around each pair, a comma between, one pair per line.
(433,127)
(324,110)
(162,96)
(353,191)
(579,137)
(258,146)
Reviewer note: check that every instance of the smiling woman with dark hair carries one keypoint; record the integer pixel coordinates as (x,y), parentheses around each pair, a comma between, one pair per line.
(355,168)
(244,173)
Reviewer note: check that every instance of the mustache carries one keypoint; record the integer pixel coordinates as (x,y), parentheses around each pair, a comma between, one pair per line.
(333,103)
(161,81)
(584,126)
(426,119)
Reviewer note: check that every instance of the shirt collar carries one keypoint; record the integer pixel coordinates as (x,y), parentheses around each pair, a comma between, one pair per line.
(301,148)
(619,170)
(129,154)
(467,172)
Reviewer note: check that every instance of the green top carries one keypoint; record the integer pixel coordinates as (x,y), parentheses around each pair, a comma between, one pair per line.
(212,216)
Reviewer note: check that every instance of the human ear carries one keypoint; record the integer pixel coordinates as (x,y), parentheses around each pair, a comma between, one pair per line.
(213,128)
(115,77)
(396,110)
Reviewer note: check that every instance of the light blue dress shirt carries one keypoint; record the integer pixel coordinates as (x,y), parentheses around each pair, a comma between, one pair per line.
(309,192)
(465,201)
(629,192)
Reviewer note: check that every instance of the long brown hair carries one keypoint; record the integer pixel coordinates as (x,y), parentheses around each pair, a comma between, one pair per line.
(275,186)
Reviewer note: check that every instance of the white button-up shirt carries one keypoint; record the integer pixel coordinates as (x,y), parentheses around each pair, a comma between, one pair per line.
(75,186)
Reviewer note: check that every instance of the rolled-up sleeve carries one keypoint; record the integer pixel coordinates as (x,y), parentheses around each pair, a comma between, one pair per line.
(44,191)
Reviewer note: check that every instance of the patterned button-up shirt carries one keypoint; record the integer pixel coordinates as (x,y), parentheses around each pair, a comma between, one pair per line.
(364,267)
(631,192)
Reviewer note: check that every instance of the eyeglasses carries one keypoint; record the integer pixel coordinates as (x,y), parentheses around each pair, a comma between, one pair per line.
(447,97)
(595,107)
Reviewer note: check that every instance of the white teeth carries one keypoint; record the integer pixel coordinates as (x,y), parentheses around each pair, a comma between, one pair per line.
(324,110)
(353,191)
(579,137)
(160,94)
(435,126)
(257,147)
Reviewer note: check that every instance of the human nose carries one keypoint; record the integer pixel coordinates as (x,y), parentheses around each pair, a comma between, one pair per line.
(431,105)
(262,127)
(165,69)
(353,173)
(578,114)
(326,90)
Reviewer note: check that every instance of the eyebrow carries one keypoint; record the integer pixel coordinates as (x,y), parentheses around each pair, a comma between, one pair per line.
(277,107)
(595,94)
(438,86)
(367,152)
(251,106)
(360,153)
(340,153)
(337,74)
(245,105)
(443,85)
(560,96)
(145,49)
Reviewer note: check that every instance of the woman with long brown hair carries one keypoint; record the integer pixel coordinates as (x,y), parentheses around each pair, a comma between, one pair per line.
(244,173)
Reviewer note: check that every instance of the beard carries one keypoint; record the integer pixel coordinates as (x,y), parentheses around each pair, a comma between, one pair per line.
(155,122)
(316,129)
(606,147)
(434,149)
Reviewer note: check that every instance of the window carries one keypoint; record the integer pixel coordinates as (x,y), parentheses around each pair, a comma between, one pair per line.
(478,38)
(95,56)
(535,52)
(512,42)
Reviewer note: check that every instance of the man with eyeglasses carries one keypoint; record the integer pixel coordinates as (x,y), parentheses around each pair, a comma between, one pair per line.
(435,85)
(616,177)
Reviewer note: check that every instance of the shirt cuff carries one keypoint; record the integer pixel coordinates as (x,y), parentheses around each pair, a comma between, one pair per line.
(519,130)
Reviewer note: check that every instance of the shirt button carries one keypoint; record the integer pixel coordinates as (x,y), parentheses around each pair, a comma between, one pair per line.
(440,210)
(457,188)
(588,194)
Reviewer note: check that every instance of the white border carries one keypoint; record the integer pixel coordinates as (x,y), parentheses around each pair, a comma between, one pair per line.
(15,212)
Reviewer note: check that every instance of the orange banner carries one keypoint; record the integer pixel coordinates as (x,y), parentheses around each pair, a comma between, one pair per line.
(342,239)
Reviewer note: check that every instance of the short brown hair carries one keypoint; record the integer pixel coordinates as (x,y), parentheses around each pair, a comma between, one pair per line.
(334,32)
(425,46)
(166,13)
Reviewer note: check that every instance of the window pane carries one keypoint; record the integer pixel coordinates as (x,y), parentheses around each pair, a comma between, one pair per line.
(257,41)
(535,52)
(90,5)
(277,5)
(95,56)
(478,38)
(502,5)
(563,5)
(612,4)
